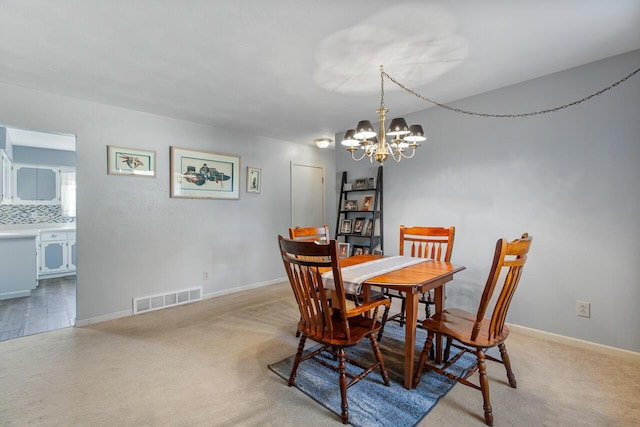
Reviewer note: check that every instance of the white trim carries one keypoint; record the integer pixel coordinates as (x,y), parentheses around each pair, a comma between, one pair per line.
(575,342)
(127,313)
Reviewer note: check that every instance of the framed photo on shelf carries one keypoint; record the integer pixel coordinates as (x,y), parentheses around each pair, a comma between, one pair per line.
(366,250)
(367,229)
(254,179)
(130,161)
(367,203)
(203,174)
(371,183)
(343,250)
(358,225)
(360,184)
(346,186)
(345,226)
(377,252)
(350,205)
(357,250)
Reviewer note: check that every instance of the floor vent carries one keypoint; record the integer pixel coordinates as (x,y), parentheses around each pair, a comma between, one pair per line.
(156,302)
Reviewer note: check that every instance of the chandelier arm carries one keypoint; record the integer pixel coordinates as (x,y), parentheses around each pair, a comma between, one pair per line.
(502,116)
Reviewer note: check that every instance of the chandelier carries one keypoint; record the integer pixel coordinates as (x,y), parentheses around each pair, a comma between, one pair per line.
(405,139)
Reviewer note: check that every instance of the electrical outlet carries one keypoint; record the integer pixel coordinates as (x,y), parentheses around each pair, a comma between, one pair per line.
(584,309)
(205,275)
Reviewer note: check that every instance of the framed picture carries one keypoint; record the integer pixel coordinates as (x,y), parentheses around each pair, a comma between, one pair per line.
(367,202)
(377,252)
(343,250)
(358,225)
(346,186)
(130,161)
(254,179)
(371,183)
(350,205)
(366,250)
(204,174)
(368,227)
(345,226)
(360,184)
(357,250)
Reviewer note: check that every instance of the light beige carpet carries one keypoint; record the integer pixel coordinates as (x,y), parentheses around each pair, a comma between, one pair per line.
(205,364)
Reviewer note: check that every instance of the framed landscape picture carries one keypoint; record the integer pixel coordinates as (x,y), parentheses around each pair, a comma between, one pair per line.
(204,174)
(350,205)
(130,161)
(361,184)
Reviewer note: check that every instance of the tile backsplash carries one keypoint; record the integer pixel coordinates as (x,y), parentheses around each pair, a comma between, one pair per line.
(32,214)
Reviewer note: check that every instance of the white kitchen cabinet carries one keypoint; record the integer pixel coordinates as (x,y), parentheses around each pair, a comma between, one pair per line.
(34,184)
(57,254)
(5,177)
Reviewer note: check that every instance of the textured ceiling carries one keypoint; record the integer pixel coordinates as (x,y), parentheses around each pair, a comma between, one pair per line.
(299,69)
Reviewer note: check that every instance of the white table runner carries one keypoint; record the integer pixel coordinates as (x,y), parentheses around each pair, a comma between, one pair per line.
(353,276)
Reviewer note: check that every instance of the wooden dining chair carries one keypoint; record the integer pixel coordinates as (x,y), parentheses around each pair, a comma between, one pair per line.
(475,333)
(333,328)
(422,242)
(315,234)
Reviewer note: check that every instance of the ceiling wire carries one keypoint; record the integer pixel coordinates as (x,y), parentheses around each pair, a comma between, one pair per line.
(502,116)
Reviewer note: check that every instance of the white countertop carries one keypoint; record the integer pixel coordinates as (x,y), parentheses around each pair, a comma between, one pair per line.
(19,231)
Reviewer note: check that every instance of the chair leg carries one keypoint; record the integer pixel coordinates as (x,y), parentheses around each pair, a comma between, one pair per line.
(403,311)
(484,387)
(294,370)
(423,359)
(385,316)
(378,354)
(507,364)
(342,366)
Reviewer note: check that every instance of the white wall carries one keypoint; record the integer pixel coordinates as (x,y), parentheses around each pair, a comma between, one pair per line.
(571,179)
(133,239)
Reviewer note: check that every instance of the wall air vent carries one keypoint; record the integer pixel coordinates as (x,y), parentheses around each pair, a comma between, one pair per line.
(156,302)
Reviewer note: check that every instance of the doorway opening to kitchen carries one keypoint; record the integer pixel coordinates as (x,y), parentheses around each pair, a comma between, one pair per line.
(37,227)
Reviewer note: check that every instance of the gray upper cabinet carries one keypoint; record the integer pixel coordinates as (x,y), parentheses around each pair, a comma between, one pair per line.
(35,184)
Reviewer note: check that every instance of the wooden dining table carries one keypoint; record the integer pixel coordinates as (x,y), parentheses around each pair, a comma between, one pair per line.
(413,280)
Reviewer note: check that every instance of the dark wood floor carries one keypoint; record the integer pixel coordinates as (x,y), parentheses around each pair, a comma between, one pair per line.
(52,305)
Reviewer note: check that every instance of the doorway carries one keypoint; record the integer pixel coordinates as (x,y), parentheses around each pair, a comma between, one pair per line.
(42,207)
(307,195)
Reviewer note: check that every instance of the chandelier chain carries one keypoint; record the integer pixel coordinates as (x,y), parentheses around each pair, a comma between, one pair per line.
(533,113)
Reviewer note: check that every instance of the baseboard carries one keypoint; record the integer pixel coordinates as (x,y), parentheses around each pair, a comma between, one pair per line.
(127,313)
(575,342)
(104,318)
(243,288)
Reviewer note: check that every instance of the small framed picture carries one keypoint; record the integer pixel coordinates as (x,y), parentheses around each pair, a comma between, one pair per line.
(345,226)
(343,250)
(346,186)
(371,183)
(361,184)
(350,205)
(357,250)
(377,252)
(130,161)
(367,203)
(367,229)
(254,179)
(366,250)
(358,225)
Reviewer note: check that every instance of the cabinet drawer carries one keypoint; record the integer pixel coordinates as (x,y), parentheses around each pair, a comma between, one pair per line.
(49,236)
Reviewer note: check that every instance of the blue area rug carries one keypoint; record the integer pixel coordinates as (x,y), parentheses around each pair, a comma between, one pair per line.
(371,403)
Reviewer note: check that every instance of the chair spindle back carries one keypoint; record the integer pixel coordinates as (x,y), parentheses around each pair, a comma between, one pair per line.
(427,242)
(508,261)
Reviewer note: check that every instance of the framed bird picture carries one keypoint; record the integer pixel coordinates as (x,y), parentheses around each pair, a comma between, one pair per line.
(130,161)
